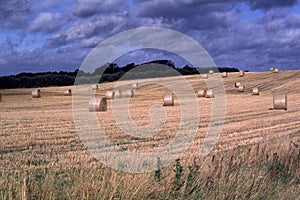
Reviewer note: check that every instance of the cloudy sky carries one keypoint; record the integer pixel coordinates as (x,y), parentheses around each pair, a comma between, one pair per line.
(55,35)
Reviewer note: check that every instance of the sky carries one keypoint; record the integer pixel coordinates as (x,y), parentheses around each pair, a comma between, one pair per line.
(56,35)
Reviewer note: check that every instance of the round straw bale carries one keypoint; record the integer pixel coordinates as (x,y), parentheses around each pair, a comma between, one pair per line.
(110,95)
(255,91)
(201,93)
(127,93)
(135,85)
(97,104)
(118,93)
(276,70)
(241,88)
(211,71)
(95,87)
(237,84)
(210,94)
(272,69)
(68,92)
(224,75)
(280,101)
(168,100)
(242,73)
(36,93)
(205,76)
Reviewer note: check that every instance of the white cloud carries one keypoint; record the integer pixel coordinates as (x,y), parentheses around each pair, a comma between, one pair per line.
(47,22)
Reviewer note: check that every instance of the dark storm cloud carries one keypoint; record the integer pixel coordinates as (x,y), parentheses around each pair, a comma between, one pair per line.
(190,8)
(210,21)
(11,43)
(39,60)
(228,30)
(178,9)
(88,8)
(15,13)
(256,46)
(53,3)
(268,4)
(56,41)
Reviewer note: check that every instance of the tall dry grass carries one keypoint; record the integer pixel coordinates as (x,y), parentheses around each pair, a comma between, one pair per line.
(260,171)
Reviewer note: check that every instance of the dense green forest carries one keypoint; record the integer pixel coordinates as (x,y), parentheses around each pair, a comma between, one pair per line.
(110,72)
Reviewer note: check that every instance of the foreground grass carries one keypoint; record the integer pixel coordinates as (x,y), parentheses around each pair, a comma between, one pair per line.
(254,172)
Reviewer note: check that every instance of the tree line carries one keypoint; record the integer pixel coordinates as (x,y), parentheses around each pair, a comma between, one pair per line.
(107,73)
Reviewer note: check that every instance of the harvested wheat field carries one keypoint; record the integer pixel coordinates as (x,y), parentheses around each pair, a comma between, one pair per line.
(257,155)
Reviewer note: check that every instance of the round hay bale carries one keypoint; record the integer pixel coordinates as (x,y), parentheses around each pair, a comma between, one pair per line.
(276,70)
(255,91)
(211,71)
(242,73)
(168,100)
(36,93)
(110,95)
(241,88)
(95,87)
(280,101)
(127,93)
(205,76)
(224,75)
(201,93)
(135,85)
(272,69)
(210,94)
(118,93)
(97,104)
(68,92)
(237,84)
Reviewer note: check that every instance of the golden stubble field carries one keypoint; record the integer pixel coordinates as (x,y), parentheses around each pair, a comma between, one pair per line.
(39,139)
